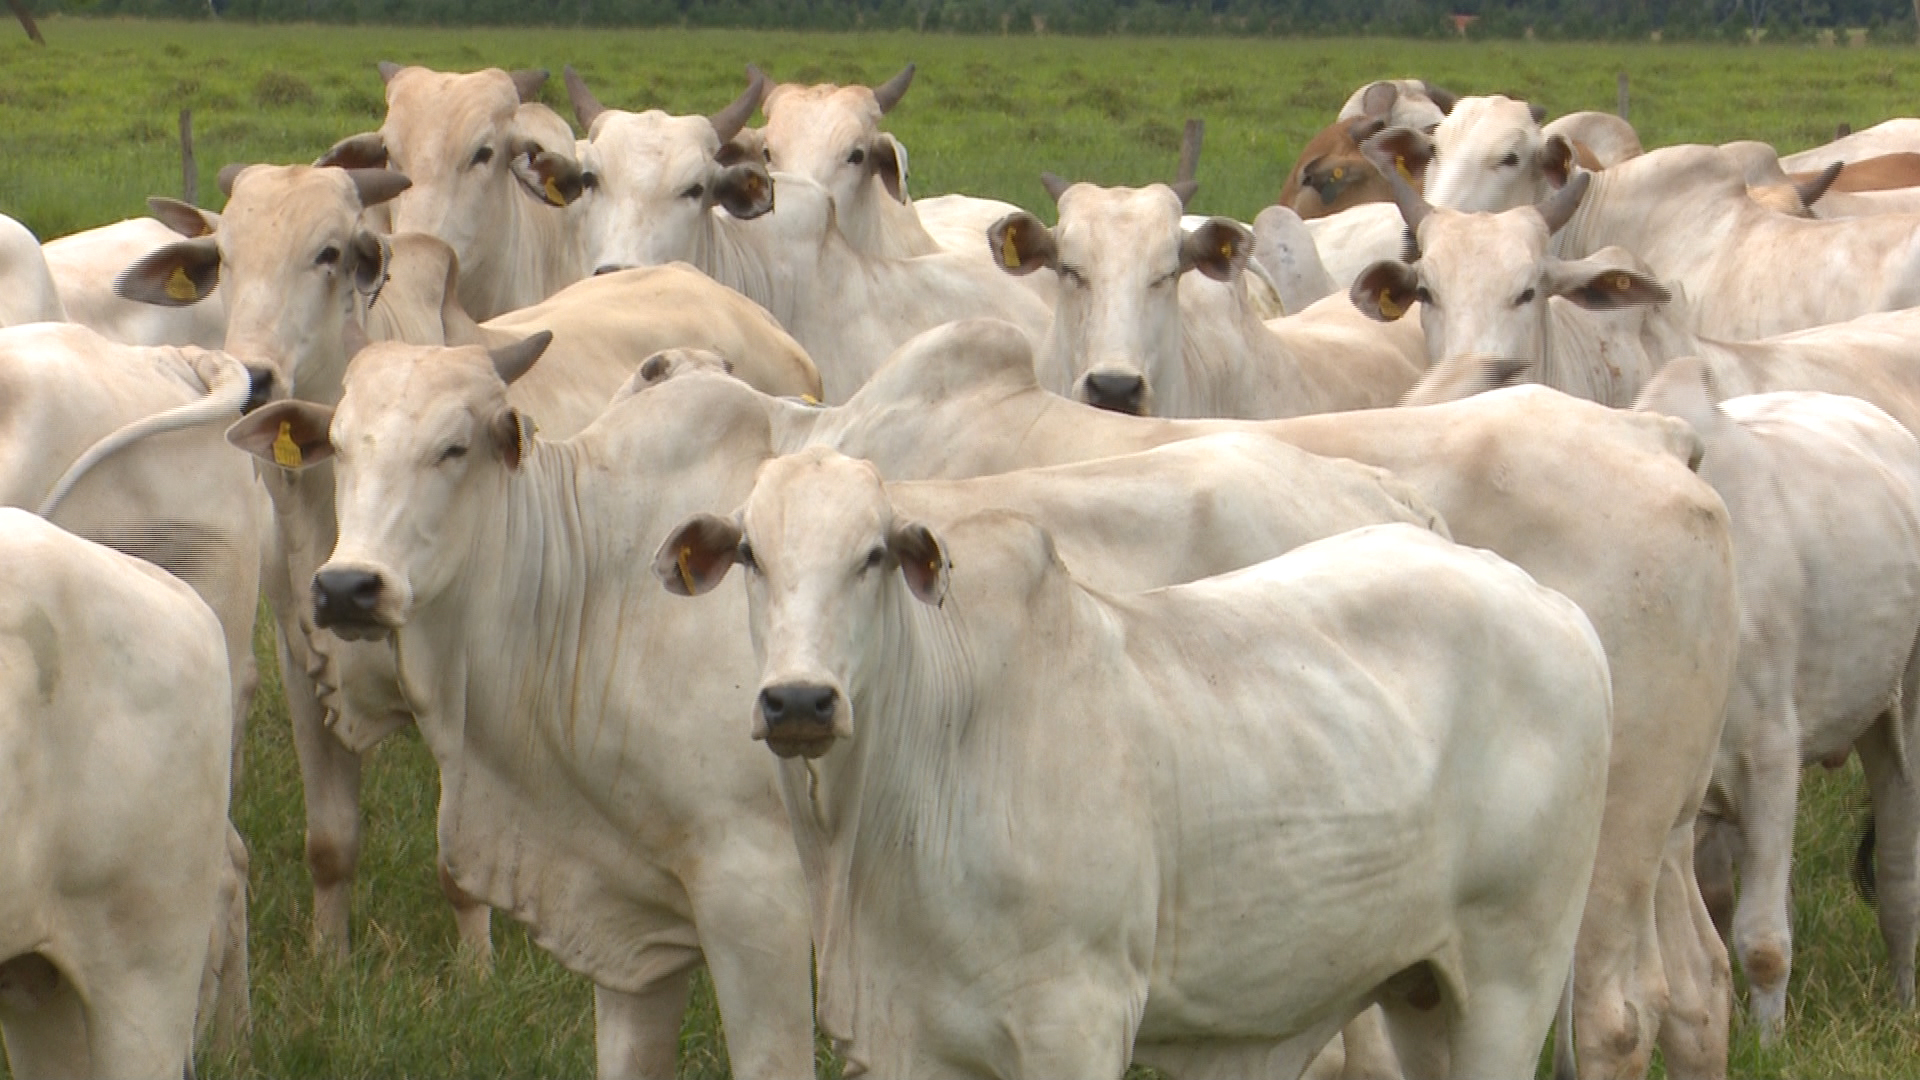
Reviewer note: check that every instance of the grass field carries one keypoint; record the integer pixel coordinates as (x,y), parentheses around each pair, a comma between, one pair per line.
(88,129)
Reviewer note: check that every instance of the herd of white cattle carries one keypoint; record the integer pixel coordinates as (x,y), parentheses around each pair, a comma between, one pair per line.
(1225,671)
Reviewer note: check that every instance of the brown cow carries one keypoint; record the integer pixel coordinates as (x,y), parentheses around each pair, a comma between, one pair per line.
(1332,174)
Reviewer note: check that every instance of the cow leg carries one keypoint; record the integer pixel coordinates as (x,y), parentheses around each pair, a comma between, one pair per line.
(42,1020)
(330,779)
(1286,1060)
(1896,812)
(1620,985)
(1693,1037)
(472,917)
(140,1023)
(224,997)
(756,944)
(637,1036)
(1762,921)
(1369,1053)
(1713,858)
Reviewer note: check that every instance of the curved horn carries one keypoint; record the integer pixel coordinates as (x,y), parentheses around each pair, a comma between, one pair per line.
(585,106)
(1413,205)
(376,186)
(728,121)
(1442,98)
(1811,190)
(1055,186)
(388,69)
(512,361)
(889,93)
(1557,209)
(527,83)
(228,174)
(1190,141)
(1185,189)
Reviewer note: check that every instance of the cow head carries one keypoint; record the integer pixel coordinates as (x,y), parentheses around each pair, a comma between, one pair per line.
(831,135)
(1333,175)
(1490,154)
(293,250)
(1484,281)
(417,430)
(1119,253)
(650,179)
(476,146)
(828,568)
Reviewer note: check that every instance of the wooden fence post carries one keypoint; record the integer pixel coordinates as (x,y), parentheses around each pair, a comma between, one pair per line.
(189,175)
(33,32)
(1620,84)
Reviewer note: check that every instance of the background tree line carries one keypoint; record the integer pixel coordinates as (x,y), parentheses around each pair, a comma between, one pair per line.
(1692,20)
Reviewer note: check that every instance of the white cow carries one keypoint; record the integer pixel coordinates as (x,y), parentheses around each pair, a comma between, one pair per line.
(1283,245)
(1166,881)
(1823,494)
(84,266)
(1417,104)
(1124,337)
(426,431)
(27,292)
(116,899)
(1520,472)
(281,222)
(1599,139)
(476,146)
(121,444)
(654,192)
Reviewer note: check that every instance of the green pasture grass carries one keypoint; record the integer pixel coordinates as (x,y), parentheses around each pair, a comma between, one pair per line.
(89,122)
(88,129)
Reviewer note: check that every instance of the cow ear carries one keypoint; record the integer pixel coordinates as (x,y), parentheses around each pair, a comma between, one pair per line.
(887,159)
(1379,98)
(512,432)
(554,179)
(1385,290)
(923,562)
(1602,286)
(371,258)
(287,434)
(750,144)
(1556,160)
(367,150)
(1021,244)
(1410,151)
(176,275)
(745,190)
(184,218)
(1218,249)
(696,556)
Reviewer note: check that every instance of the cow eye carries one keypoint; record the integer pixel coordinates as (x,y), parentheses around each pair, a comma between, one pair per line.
(453,452)
(694,191)
(590,181)
(1510,160)
(1073,274)
(766,155)
(1525,298)
(328,256)
(744,556)
(1421,294)
(874,558)
(857,156)
(483,155)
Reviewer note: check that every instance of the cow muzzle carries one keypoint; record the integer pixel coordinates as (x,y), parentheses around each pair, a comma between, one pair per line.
(798,719)
(347,601)
(1119,392)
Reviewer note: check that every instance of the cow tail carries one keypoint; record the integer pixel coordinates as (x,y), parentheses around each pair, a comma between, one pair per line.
(1865,881)
(1564,1067)
(225,400)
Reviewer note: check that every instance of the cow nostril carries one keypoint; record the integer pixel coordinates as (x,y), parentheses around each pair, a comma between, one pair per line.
(344,594)
(798,704)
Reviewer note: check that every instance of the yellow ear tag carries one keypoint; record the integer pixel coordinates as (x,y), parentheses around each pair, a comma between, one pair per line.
(686,575)
(286,452)
(1400,166)
(1009,251)
(180,286)
(809,399)
(1622,283)
(1226,250)
(1340,173)
(1390,309)
(553,193)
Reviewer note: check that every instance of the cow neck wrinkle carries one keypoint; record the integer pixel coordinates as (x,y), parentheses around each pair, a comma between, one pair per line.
(727,254)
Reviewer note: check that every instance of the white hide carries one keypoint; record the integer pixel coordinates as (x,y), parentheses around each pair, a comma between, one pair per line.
(27,292)
(84,266)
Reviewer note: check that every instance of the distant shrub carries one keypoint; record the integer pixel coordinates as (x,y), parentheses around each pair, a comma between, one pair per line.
(277,88)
